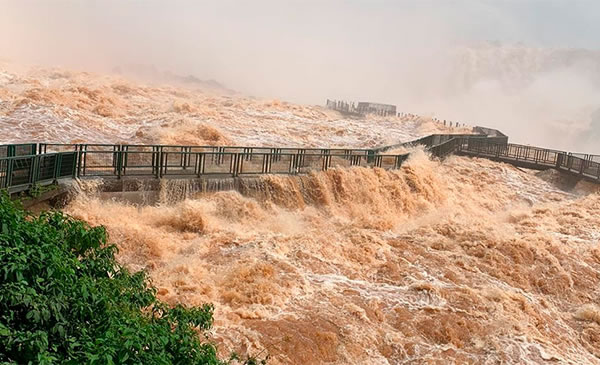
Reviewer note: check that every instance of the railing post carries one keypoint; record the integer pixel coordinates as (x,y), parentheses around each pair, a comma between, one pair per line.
(267,163)
(221,155)
(79,155)
(181,157)
(292,164)
(237,164)
(199,163)
(296,160)
(35,164)
(185,158)
(124,157)
(57,167)
(273,152)
(3,179)
(559,159)
(159,162)
(153,163)
(84,147)
(119,161)
(9,172)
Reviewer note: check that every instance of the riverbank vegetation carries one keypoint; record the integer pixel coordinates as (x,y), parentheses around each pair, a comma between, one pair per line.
(65,299)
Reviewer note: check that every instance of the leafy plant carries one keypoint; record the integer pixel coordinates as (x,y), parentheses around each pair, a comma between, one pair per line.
(65,299)
(37,190)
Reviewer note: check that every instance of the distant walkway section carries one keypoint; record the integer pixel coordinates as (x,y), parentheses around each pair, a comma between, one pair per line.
(584,165)
(23,166)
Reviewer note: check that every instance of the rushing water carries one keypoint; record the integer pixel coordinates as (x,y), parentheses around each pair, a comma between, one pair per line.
(466,262)
(58,106)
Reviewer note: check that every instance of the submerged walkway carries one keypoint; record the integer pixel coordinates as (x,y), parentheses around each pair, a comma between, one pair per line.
(23,166)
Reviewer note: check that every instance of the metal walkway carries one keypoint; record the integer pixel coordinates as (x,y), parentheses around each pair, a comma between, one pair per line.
(24,165)
(582,165)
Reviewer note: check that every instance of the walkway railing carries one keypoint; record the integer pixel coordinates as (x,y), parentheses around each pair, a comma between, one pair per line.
(584,165)
(55,161)
(22,172)
(21,167)
(12,150)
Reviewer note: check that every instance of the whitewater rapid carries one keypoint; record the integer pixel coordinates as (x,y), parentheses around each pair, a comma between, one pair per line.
(59,106)
(468,261)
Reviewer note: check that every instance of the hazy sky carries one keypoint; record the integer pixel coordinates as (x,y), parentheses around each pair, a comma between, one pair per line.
(305,51)
(258,45)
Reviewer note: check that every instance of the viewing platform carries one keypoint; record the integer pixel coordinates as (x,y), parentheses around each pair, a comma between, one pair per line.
(25,166)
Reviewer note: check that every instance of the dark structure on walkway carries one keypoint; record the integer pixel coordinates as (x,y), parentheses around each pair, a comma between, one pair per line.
(344,107)
(361,108)
(376,108)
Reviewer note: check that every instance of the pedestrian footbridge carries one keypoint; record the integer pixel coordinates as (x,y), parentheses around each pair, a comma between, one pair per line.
(23,166)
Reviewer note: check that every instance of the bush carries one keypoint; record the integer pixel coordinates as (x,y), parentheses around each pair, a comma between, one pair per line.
(64,299)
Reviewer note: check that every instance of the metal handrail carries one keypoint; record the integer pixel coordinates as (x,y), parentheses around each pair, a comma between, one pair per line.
(537,157)
(19,172)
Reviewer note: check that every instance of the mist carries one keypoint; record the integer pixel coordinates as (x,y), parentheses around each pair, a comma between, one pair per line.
(530,68)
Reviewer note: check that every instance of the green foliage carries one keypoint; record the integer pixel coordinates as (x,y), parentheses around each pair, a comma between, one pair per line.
(36,190)
(65,300)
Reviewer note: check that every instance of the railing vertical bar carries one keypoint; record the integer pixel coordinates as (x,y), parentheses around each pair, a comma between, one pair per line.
(58,166)
(198,164)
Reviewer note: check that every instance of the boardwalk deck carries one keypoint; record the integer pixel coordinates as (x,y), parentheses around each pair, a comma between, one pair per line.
(26,165)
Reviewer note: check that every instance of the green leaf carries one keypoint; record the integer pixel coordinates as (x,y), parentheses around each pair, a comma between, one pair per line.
(4,331)
(66,300)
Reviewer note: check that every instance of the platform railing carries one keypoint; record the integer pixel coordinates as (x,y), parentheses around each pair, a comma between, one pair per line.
(576,164)
(20,149)
(44,162)
(19,173)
